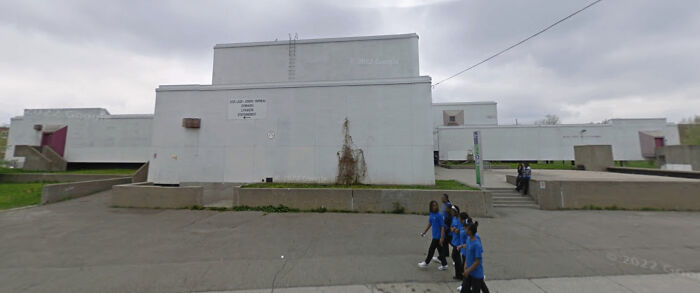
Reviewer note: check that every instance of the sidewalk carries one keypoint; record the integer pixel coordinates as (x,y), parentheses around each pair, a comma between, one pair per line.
(677,283)
(491,178)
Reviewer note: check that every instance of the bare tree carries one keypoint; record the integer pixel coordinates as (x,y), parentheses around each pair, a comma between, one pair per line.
(549,119)
(691,120)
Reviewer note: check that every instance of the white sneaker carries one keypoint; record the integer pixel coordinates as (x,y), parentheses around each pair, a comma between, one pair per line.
(459,289)
(422,264)
(435,259)
(442,268)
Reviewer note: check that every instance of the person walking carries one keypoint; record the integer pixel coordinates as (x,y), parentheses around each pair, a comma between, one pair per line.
(455,227)
(437,223)
(473,267)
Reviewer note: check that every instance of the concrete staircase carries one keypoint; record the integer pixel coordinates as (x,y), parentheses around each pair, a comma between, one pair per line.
(508,197)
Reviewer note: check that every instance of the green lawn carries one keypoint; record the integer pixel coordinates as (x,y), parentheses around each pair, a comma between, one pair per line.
(639,164)
(121,171)
(439,184)
(556,165)
(14,195)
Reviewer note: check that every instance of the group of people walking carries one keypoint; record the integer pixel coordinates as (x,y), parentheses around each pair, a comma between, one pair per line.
(450,227)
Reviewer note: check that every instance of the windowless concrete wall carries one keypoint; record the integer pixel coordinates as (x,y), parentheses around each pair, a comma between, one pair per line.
(297,133)
(551,142)
(354,58)
(94,136)
(278,110)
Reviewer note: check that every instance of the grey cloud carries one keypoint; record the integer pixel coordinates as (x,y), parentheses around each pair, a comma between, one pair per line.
(611,52)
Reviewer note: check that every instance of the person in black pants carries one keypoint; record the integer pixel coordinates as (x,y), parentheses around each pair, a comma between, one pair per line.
(520,176)
(455,242)
(525,181)
(437,223)
(473,268)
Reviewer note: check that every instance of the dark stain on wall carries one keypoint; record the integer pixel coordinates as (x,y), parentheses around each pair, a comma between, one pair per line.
(351,161)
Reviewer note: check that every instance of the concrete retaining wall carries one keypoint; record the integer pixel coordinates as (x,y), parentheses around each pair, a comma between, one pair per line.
(664,195)
(147,195)
(214,191)
(476,203)
(58,192)
(593,157)
(683,155)
(48,177)
(141,175)
(657,172)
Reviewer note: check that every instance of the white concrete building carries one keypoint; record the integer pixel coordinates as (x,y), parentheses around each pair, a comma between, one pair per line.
(460,114)
(83,135)
(278,109)
(540,142)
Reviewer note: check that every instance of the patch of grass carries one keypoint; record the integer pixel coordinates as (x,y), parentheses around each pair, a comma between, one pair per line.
(439,185)
(398,209)
(117,171)
(554,165)
(638,164)
(266,209)
(13,195)
(319,210)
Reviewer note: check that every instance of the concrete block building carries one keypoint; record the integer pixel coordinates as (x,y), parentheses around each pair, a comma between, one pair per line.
(81,135)
(454,136)
(299,111)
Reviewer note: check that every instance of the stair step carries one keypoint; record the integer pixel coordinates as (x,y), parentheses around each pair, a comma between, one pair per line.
(509,205)
(513,199)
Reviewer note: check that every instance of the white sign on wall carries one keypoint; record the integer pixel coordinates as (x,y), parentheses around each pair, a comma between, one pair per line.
(247,108)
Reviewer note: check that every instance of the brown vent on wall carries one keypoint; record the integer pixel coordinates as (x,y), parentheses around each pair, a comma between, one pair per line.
(191,122)
(38,127)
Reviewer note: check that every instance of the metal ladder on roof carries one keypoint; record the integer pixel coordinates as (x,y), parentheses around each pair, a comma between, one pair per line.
(291,70)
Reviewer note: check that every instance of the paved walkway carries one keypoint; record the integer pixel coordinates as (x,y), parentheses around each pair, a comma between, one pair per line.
(677,283)
(83,245)
(491,178)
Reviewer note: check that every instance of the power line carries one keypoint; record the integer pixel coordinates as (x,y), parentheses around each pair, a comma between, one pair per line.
(518,43)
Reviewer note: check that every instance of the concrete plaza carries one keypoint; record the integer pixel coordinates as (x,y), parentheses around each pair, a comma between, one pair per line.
(83,245)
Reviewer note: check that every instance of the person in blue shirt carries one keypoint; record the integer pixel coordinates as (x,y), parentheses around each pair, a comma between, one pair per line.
(437,223)
(455,225)
(473,266)
(446,211)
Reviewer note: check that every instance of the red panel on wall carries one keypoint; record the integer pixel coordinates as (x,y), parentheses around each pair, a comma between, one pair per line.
(659,141)
(56,140)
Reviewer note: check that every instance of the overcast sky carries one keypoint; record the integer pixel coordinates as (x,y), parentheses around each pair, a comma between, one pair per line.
(618,59)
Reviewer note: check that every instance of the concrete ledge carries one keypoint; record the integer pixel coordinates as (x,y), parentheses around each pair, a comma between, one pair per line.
(49,177)
(501,167)
(59,192)
(578,194)
(657,172)
(477,203)
(300,198)
(147,195)
(214,191)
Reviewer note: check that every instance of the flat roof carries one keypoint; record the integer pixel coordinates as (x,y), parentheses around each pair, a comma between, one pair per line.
(465,103)
(298,84)
(321,40)
(127,116)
